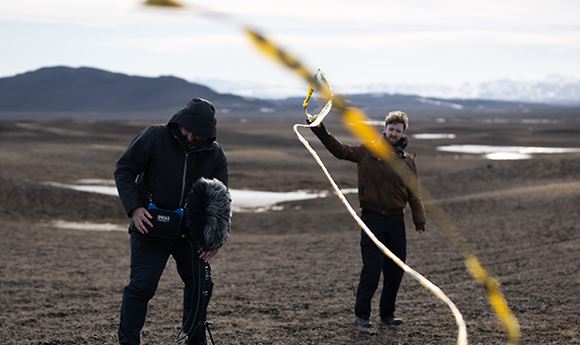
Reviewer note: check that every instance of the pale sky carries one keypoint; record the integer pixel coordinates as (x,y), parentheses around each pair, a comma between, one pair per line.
(355,42)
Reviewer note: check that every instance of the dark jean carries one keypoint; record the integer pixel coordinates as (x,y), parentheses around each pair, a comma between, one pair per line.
(148,259)
(390,230)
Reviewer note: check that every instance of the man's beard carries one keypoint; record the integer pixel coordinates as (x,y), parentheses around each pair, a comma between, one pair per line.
(390,139)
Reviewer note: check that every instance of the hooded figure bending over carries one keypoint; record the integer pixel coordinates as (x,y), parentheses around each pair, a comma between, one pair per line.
(154,177)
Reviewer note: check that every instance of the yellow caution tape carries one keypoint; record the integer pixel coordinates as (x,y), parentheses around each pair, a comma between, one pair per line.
(272,51)
(317,119)
(356,121)
(163,3)
(495,298)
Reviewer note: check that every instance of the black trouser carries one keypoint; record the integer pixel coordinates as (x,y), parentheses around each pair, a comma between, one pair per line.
(390,230)
(148,259)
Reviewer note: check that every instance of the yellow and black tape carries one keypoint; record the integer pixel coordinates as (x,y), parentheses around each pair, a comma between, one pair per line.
(356,122)
(164,3)
(495,297)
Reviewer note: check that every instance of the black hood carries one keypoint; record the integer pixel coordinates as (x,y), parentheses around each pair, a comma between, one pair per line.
(198,117)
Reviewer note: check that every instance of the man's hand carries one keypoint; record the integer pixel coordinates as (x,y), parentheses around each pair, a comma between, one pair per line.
(421,229)
(141,217)
(206,255)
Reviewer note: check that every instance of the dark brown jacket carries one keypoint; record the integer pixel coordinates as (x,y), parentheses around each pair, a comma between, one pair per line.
(380,189)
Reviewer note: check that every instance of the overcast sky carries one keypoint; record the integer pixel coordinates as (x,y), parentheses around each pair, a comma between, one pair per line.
(354,42)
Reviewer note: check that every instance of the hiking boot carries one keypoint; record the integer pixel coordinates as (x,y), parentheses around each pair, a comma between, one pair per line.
(391,321)
(362,323)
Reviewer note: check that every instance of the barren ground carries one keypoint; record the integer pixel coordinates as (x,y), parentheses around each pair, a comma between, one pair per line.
(289,277)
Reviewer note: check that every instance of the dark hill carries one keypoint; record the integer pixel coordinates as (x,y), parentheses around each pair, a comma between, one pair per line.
(65,89)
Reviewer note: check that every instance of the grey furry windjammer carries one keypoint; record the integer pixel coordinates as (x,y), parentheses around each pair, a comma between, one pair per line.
(208,213)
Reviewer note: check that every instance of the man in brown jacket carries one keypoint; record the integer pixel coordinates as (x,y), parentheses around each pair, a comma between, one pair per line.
(382,196)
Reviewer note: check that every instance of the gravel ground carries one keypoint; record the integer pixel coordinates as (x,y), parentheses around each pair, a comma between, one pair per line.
(288,277)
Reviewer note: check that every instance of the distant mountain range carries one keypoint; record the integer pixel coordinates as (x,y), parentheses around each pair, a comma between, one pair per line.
(555,89)
(65,91)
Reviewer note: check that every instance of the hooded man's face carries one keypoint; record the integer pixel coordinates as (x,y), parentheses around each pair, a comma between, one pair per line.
(393,132)
(191,139)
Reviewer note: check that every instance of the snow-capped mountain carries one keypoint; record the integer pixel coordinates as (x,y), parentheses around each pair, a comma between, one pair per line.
(553,89)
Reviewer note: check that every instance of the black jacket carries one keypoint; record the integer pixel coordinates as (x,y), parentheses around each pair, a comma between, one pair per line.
(158,167)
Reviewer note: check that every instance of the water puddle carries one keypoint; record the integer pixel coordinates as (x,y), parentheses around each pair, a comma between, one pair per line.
(96,181)
(349,190)
(506,152)
(88,226)
(517,121)
(440,103)
(431,136)
(247,200)
(242,200)
(99,189)
(420,136)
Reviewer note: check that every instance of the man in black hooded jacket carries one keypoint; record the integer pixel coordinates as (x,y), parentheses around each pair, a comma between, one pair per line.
(159,166)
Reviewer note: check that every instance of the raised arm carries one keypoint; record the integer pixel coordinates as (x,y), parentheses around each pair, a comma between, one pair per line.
(334,146)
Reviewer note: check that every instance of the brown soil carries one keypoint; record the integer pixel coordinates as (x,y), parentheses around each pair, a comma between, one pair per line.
(289,277)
